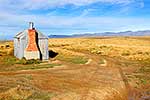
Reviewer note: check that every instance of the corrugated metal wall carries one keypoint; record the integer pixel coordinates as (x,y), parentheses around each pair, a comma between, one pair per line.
(15,47)
(21,43)
(43,45)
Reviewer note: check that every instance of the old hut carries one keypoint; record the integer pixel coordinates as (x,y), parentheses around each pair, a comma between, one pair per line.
(31,44)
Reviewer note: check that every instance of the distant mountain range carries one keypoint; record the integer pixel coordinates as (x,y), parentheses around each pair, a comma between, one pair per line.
(126,33)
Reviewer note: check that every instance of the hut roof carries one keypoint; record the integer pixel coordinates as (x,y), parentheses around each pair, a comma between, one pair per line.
(21,34)
(41,35)
(24,33)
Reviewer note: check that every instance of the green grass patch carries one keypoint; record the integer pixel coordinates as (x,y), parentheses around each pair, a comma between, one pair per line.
(27,62)
(144,72)
(10,63)
(145,66)
(144,69)
(125,53)
(34,67)
(41,96)
(73,59)
(101,61)
(143,81)
(27,67)
(29,77)
(11,60)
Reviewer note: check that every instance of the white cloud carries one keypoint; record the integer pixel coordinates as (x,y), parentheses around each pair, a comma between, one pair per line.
(12,20)
(48,22)
(43,4)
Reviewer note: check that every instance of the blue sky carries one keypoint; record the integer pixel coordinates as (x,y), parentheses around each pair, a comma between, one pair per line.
(74,16)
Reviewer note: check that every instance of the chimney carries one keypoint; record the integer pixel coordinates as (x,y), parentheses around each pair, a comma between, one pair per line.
(31,25)
(32,51)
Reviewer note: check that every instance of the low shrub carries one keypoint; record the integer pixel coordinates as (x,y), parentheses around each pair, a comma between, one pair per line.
(139,52)
(97,52)
(7,46)
(102,61)
(26,62)
(9,60)
(126,53)
(22,61)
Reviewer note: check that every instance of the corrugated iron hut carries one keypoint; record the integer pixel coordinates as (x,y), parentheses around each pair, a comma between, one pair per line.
(31,44)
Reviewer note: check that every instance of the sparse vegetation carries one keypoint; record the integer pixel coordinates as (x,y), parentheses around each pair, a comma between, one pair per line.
(27,62)
(27,67)
(11,60)
(25,93)
(130,48)
(132,54)
(40,96)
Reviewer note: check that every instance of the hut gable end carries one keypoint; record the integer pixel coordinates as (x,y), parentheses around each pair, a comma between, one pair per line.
(31,44)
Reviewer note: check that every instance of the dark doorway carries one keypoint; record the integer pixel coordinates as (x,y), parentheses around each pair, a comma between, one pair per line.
(52,54)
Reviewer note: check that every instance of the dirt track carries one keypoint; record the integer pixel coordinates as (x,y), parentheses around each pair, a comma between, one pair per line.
(80,82)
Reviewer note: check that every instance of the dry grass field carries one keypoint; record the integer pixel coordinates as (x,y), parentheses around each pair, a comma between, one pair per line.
(132,48)
(108,68)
